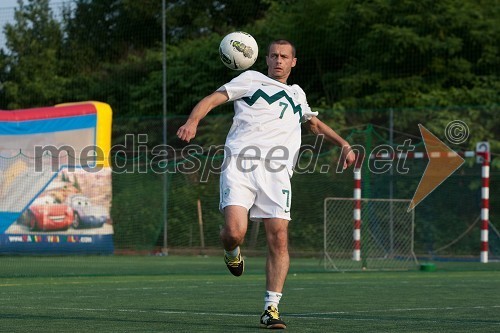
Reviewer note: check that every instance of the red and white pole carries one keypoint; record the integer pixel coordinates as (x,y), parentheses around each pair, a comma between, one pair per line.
(485,205)
(356,255)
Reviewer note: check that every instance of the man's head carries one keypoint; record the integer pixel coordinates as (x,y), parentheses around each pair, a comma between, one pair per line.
(280,59)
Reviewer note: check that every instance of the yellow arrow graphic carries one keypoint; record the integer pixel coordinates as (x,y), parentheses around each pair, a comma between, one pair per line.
(442,163)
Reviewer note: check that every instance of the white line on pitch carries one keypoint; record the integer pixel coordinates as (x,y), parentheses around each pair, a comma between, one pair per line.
(479,307)
(293,315)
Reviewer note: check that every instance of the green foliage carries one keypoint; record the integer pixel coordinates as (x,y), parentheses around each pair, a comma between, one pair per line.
(358,54)
(31,72)
(190,76)
(108,30)
(192,19)
(407,53)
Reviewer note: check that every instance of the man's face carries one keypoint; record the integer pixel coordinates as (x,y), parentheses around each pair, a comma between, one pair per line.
(280,61)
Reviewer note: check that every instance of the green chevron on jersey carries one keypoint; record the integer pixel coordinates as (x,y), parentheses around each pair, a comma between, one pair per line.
(271,99)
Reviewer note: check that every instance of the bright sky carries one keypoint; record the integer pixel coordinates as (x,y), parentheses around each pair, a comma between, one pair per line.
(7,13)
(8,3)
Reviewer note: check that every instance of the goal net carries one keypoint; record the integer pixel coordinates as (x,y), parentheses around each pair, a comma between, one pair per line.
(384,240)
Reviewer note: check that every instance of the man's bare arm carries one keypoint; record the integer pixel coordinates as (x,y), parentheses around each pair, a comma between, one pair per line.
(320,128)
(188,131)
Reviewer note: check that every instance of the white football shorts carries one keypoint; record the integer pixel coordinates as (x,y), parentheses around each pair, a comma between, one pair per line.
(261,186)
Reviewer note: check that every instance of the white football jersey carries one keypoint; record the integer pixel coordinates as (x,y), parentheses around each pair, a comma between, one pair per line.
(267,118)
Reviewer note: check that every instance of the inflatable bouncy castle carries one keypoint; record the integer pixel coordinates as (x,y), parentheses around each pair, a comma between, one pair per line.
(55,179)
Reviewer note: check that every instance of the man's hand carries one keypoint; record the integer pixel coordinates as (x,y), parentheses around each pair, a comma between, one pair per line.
(347,156)
(187,131)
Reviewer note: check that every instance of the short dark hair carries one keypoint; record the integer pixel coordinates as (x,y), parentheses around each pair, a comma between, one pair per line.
(282,42)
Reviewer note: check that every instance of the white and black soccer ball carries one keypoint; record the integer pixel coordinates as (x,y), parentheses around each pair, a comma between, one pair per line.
(238,50)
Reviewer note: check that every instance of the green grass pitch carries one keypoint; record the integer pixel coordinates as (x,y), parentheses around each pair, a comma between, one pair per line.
(197,294)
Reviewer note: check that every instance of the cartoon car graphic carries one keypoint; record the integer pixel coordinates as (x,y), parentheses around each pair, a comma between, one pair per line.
(86,215)
(45,213)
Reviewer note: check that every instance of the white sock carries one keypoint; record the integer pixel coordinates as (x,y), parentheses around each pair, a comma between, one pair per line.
(232,254)
(272,298)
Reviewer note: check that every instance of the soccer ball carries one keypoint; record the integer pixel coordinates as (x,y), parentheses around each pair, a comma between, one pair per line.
(238,50)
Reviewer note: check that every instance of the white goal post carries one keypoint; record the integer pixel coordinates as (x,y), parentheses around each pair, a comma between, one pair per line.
(370,234)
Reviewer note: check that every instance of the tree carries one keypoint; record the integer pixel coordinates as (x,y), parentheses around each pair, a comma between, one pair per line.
(108,31)
(407,53)
(191,19)
(3,78)
(31,67)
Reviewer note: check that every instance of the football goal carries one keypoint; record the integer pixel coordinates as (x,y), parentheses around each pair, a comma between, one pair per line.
(370,234)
